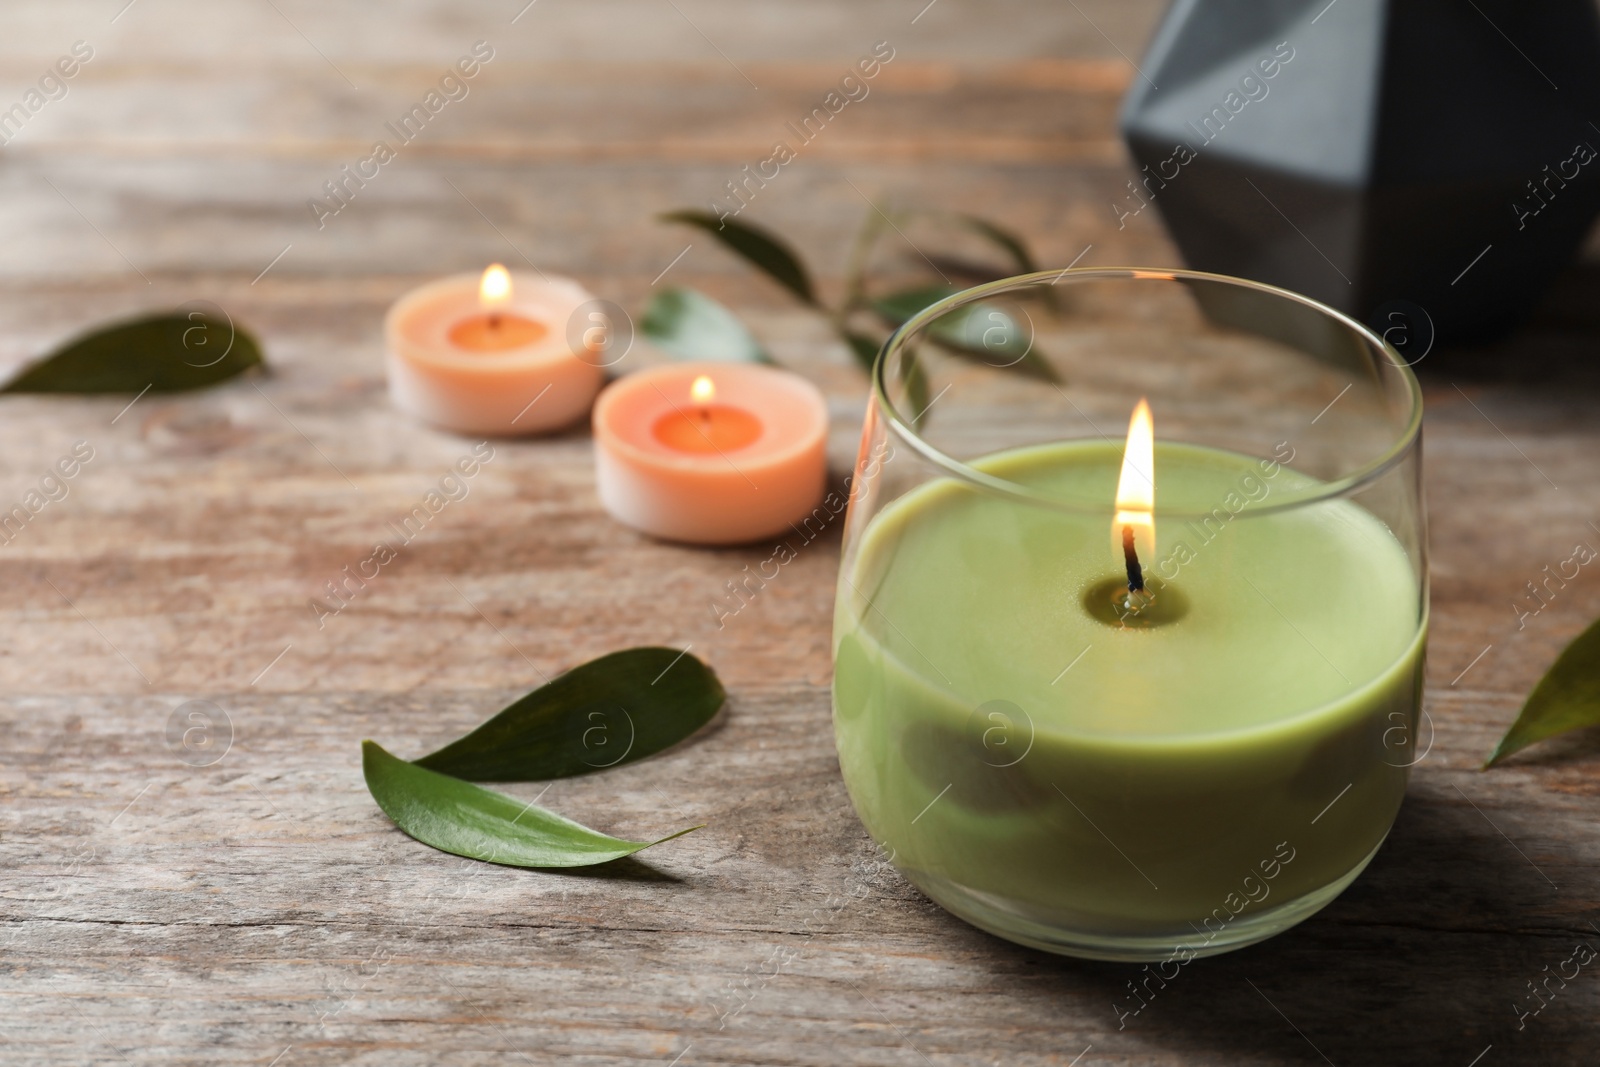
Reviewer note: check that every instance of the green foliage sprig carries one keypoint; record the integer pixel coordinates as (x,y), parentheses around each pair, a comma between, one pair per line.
(688,324)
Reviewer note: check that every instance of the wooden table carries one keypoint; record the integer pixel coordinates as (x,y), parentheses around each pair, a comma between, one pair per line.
(260,910)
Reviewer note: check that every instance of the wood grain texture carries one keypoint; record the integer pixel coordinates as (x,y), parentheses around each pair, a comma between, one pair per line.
(261,910)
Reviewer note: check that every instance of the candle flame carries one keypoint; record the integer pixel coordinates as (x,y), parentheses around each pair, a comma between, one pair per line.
(702,391)
(495,288)
(1136,488)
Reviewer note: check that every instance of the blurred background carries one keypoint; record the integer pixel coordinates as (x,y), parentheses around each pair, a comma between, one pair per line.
(180,161)
(185,152)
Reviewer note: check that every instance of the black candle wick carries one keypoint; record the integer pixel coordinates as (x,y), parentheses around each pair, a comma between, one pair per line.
(1131,557)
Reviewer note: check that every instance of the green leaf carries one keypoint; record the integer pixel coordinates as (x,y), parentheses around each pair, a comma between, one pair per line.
(982,332)
(1566,698)
(864,348)
(1003,238)
(971,271)
(912,375)
(691,325)
(1013,245)
(765,250)
(468,820)
(896,308)
(616,709)
(860,253)
(164,353)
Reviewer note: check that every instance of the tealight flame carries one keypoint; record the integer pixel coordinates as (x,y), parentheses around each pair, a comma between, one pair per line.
(702,391)
(1136,488)
(495,288)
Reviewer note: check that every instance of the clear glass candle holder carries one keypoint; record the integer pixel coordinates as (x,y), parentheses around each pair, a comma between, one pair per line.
(1155,774)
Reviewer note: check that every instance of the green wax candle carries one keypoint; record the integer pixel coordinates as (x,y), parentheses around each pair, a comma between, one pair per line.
(1207,779)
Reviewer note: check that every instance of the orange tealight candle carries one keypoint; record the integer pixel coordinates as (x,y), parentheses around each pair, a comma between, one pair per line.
(711,453)
(488,354)
(705,427)
(495,329)
(495,332)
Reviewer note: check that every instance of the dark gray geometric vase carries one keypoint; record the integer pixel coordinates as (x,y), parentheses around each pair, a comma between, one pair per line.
(1375,155)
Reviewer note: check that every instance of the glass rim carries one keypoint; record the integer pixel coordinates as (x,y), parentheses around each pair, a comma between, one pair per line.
(1404,442)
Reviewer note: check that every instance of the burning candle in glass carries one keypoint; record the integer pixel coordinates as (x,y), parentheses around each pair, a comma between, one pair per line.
(1128,731)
